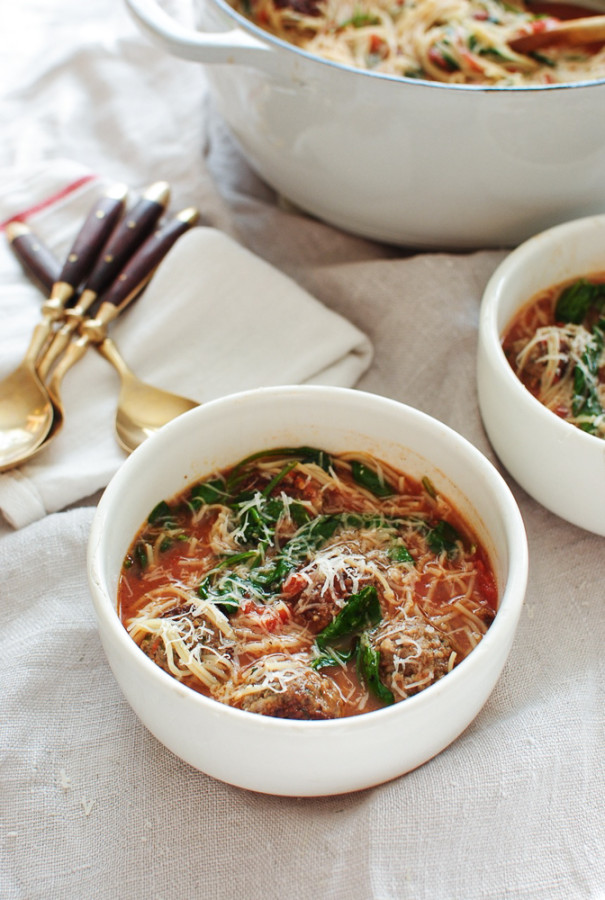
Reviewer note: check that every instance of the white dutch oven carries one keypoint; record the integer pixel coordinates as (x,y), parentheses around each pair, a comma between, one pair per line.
(397,160)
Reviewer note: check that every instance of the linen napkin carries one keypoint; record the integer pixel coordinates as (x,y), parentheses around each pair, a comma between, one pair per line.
(215,319)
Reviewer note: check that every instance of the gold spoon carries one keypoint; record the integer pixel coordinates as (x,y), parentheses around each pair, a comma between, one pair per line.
(575,32)
(142,409)
(27,413)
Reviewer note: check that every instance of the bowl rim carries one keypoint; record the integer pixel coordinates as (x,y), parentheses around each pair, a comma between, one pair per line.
(504,623)
(273,40)
(490,334)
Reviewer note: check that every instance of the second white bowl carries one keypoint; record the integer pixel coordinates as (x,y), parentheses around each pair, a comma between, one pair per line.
(560,466)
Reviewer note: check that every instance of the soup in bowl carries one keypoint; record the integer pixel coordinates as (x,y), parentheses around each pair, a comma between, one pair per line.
(270,576)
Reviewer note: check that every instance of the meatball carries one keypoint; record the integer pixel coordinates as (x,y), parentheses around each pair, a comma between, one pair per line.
(319,591)
(288,688)
(195,632)
(413,655)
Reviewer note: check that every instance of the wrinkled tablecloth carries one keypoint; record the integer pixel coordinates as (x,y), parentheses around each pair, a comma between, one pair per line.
(91,805)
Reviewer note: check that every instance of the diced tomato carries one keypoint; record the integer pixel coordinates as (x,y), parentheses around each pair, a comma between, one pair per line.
(540,25)
(293,585)
(377,46)
(269,617)
(486,584)
(471,61)
(438,59)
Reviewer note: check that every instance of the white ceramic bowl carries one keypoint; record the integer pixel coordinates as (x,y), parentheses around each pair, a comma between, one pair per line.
(281,756)
(559,465)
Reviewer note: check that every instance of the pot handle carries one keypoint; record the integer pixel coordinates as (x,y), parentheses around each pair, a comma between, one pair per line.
(234,46)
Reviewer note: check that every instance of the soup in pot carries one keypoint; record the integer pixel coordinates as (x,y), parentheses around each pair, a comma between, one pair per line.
(450,41)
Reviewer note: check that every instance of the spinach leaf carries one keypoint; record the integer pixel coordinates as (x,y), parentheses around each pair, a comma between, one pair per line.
(277,478)
(161,514)
(301,454)
(361,611)
(586,400)
(429,487)
(228,589)
(208,492)
(371,480)
(398,552)
(259,515)
(443,537)
(140,555)
(308,538)
(331,657)
(227,594)
(575,301)
(368,669)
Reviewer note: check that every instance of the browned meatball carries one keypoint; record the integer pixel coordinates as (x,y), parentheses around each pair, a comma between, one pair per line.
(294,691)
(197,632)
(413,654)
(320,590)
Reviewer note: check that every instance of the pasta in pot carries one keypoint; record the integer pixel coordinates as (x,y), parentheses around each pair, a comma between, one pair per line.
(308,586)
(449,41)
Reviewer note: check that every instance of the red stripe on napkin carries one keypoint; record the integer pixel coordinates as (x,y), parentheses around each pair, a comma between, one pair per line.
(48,201)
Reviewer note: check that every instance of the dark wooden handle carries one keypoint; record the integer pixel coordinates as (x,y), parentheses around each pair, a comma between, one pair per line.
(127,237)
(36,259)
(137,272)
(93,235)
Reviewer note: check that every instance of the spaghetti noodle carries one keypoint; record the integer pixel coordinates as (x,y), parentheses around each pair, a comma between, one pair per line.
(556,347)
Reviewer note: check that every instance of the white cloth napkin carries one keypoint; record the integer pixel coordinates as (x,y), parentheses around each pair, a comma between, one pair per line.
(215,319)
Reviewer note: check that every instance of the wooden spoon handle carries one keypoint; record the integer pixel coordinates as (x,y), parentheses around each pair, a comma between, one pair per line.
(40,264)
(36,259)
(93,330)
(128,235)
(138,271)
(587,30)
(93,235)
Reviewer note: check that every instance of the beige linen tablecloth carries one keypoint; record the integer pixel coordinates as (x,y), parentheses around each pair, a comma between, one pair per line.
(91,805)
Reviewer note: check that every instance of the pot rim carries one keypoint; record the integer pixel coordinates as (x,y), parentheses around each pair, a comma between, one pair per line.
(279,44)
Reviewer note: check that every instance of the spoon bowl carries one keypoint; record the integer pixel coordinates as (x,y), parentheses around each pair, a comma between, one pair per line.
(26,414)
(142,409)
